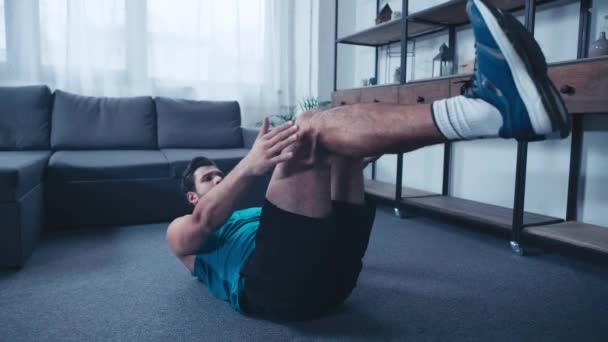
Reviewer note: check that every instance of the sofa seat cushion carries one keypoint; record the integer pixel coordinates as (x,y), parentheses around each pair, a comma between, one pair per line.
(225,159)
(20,172)
(108,165)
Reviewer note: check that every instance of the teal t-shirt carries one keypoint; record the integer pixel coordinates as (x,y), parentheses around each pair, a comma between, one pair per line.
(219,261)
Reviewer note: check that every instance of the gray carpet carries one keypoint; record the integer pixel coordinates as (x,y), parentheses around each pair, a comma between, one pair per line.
(423,280)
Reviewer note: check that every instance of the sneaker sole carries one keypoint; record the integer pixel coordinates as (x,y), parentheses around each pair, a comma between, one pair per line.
(548,114)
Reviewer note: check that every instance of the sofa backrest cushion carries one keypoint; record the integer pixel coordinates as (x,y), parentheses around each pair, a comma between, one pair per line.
(198,124)
(25,117)
(84,122)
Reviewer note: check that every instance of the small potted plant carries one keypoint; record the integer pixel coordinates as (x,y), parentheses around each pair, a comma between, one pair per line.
(307,103)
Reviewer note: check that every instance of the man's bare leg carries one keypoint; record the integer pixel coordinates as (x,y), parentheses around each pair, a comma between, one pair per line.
(510,95)
(347,179)
(371,129)
(353,219)
(303,188)
(302,185)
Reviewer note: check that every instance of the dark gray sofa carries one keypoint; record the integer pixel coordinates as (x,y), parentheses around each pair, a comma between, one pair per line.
(70,161)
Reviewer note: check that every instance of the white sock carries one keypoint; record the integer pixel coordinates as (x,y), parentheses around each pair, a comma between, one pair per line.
(463,118)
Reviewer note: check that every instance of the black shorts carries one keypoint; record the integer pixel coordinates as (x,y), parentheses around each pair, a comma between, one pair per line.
(304,267)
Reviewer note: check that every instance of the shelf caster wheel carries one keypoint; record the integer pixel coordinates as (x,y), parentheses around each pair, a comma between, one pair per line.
(398,212)
(517,248)
(403,214)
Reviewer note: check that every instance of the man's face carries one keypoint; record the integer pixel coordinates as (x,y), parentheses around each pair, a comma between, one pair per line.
(205,178)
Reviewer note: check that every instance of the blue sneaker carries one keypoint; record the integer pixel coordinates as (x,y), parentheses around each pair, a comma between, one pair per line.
(511,74)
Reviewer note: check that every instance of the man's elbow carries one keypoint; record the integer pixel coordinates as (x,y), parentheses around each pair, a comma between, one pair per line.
(186,238)
(173,239)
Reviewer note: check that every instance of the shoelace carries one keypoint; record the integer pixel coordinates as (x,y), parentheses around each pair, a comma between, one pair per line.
(470,85)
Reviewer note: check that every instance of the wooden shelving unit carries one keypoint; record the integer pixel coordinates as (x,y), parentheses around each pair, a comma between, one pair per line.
(574,233)
(476,212)
(583,84)
(387,190)
(385,33)
(423,22)
(454,13)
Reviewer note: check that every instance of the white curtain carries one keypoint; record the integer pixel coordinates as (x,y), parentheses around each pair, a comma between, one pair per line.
(198,49)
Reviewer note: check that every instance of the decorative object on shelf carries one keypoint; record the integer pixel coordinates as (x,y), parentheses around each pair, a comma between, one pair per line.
(373,81)
(600,46)
(365,82)
(392,61)
(385,15)
(442,63)
(397,75)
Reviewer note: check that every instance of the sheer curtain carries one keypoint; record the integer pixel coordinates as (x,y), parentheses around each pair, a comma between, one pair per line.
(2,34)
(197,49)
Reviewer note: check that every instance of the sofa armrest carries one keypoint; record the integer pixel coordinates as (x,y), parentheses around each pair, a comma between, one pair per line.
(249,136)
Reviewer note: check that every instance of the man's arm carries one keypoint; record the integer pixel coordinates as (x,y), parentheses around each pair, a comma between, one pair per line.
(186,234)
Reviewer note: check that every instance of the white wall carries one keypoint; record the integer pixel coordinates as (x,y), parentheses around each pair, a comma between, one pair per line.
(593,199)
(358,60)
(558,44)
(594,180)
(485,170)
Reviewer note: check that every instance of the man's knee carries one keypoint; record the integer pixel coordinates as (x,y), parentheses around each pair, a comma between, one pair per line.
(309,147)
(305,120)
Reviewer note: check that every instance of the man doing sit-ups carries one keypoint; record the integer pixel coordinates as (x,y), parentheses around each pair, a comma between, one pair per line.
(299,256)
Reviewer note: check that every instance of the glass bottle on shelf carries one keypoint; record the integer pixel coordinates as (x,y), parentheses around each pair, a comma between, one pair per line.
(600,46)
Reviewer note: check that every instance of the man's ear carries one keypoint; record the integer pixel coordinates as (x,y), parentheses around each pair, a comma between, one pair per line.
(192,197)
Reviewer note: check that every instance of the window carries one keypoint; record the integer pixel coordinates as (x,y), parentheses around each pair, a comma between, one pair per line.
(2,34)
(92,31)
(216,48)
(205,40)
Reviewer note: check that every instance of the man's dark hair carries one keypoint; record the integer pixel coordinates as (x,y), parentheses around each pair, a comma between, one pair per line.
(188,175)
